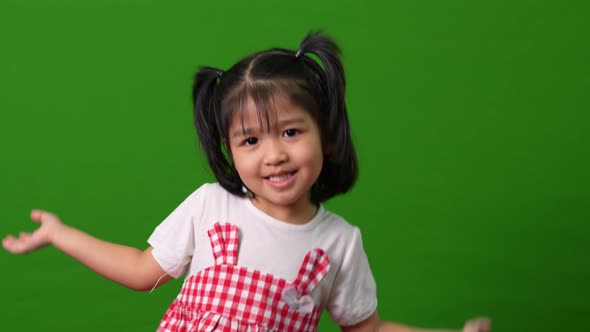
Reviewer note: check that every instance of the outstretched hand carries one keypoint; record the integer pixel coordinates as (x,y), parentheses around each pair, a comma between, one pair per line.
(480,324)
(42,236)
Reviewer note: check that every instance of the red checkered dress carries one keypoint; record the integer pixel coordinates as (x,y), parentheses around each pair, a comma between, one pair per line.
(227,297)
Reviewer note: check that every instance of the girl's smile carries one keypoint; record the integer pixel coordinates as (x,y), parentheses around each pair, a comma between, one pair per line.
(278,160)
(281,180)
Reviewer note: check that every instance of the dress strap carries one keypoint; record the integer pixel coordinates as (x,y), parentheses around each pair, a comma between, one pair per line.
(224,240)
(315,266)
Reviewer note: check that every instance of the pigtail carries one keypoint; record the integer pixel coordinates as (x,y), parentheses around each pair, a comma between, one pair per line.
(341,166)
(206,104)
(329,54)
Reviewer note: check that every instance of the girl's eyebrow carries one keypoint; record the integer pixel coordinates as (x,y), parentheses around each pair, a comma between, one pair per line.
(290,121)
(245,131)
(242,132)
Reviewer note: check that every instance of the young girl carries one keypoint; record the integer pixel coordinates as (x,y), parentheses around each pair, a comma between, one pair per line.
(259,250)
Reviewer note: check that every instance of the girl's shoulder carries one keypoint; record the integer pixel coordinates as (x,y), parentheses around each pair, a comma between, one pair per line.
(337,227)
(210,187)
(209,191)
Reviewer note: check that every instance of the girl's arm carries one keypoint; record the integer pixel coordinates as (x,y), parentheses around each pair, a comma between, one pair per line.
(373,324)
(125,265)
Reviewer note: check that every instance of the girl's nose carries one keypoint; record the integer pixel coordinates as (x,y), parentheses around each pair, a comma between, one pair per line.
(275,154)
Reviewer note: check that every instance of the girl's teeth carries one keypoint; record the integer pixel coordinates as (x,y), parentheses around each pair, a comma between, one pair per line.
(279,177)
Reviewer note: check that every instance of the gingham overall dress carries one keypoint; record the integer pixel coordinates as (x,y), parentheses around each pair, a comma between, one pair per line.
(227,297)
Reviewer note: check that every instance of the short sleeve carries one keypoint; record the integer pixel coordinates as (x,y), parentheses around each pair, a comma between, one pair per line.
(354,295)
(173,240)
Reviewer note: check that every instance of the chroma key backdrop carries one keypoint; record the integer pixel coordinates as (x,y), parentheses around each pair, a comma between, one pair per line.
(471,121)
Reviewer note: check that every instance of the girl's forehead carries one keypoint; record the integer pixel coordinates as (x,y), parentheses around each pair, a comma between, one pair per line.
(266,116)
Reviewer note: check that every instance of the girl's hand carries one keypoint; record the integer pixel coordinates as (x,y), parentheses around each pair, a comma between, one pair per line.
(480,324)
(44,235)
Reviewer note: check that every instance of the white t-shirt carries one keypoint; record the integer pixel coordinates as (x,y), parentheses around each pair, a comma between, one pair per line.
(181,244)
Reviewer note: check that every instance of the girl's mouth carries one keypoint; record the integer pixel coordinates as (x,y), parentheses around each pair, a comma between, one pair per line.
(281,180)
(280,177)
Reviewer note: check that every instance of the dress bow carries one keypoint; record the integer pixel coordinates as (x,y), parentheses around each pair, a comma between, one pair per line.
(303,304)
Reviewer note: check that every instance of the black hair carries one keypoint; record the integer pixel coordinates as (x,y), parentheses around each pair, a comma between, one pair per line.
(261,78)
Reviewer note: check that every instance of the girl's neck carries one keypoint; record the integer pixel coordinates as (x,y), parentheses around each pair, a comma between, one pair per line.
(297,214)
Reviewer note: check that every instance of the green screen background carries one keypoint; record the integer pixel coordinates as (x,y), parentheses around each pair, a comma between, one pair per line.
(470,119)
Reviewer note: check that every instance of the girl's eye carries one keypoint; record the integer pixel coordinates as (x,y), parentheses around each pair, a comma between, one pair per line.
(291,132)
(250,141)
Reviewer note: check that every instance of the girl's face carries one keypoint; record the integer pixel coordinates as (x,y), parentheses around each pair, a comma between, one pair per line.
(278,162)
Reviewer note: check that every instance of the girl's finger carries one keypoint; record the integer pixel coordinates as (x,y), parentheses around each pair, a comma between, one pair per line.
(37,215)
(41,215)
(23,236)
(478,325)
(484,324)
(7,241)
(12,244)
(8,237)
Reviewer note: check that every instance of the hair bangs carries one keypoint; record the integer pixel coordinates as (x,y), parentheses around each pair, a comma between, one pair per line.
(263,97)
